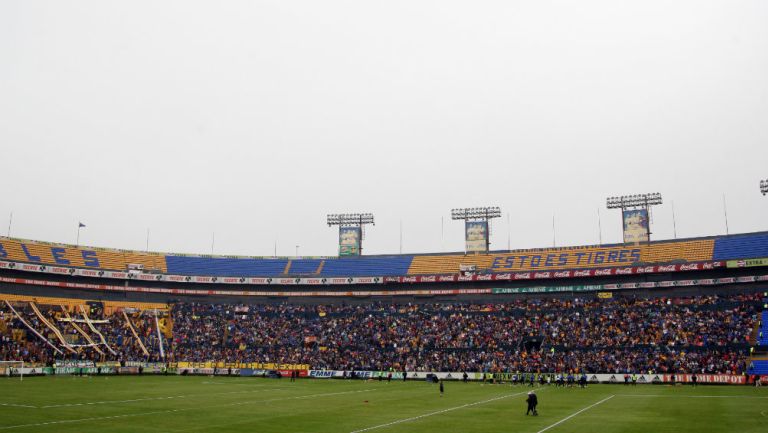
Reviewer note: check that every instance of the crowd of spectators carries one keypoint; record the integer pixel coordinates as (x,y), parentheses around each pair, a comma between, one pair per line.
(19,343)
(704,334)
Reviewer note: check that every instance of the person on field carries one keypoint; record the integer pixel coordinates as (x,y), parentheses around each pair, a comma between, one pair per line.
(442,389)
(694,379)
(532,401)
(464,377)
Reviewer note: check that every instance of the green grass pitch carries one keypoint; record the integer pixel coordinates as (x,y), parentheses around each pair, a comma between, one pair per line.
(221,404)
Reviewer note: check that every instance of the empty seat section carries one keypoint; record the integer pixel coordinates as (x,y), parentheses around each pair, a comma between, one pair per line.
(366,266)
(225,267)
(304,266)
(688,251)
(741,247)
(759,367)
(449,263)
(82,257)
(566,258)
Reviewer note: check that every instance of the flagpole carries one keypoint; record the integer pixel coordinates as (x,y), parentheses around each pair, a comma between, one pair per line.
(10,221)
(674,222)
(442,234)
(509,232)
(554,238)
(599,227)
(725,212)
(79,226)
(147,239)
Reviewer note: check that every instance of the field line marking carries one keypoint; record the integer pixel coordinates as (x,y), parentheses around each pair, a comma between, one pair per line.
(690,396)
(576,413)
(18,405)
(414,418)
(186,409)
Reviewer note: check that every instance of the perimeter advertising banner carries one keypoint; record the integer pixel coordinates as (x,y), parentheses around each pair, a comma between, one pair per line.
(635,226)
(476,236)
(349,241)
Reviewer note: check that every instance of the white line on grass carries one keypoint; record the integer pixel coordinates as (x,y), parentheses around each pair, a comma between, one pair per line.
(400,421)
(574,414)
(187,409)
(690,396)
(18,405)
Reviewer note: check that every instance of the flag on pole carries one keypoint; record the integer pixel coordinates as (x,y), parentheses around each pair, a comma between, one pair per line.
(80,225)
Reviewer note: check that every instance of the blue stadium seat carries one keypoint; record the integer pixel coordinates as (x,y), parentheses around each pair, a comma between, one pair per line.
(759,367)
(372,266)
(741,247)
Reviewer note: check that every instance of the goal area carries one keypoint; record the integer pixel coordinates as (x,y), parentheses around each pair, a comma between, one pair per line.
(12,368)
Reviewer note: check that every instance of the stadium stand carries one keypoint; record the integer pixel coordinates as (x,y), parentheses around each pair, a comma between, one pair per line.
(581,257)
(82,257)
(706,334)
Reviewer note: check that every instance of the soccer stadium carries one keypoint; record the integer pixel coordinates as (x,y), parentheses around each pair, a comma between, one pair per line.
(247,217)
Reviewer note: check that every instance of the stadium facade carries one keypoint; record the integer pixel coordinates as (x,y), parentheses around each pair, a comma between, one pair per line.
(69,277)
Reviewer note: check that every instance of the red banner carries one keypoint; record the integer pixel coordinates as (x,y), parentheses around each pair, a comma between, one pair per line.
(287,373)
(540,275)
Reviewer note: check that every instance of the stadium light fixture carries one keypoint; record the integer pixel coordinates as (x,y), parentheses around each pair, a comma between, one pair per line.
(635,201)
(764,186)
(486,213)
(351,220)
(476,213)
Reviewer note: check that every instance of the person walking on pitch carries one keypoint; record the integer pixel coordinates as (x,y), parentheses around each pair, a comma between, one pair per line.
(532,401)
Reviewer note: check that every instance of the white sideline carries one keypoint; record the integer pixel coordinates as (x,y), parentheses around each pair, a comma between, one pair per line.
(400,421)
(18,405)
(186,409)
(690,396)
(574,414)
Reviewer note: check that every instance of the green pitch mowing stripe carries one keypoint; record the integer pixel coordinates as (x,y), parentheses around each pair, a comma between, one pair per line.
(400,421)
(573,415)
(174,404)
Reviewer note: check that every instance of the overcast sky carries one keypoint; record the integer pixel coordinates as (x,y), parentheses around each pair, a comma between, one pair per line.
(254,119)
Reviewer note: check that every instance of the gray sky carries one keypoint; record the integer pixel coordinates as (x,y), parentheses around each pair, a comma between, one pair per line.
(254,119)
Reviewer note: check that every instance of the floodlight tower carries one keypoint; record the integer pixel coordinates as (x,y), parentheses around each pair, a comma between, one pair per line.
(485,214)
(764,186)
(635,201)
(353,221)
